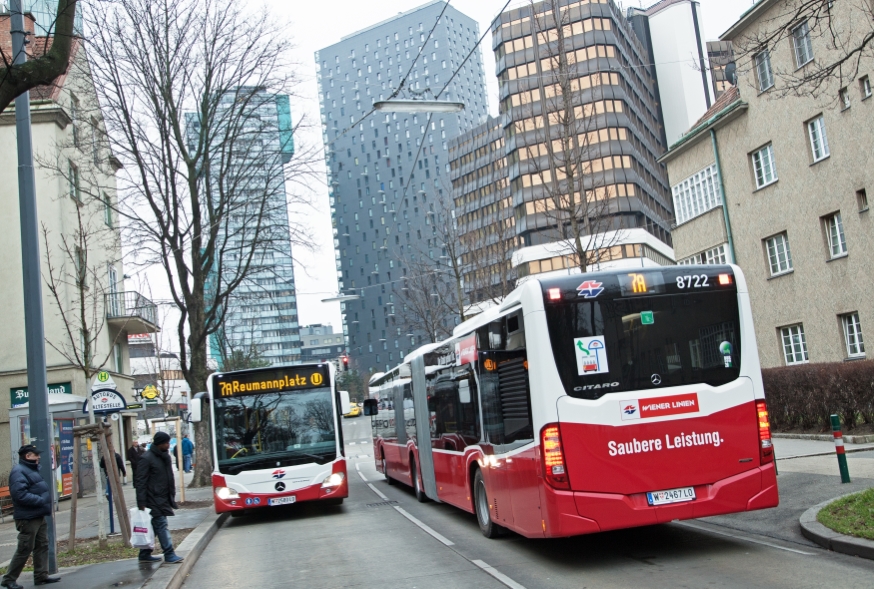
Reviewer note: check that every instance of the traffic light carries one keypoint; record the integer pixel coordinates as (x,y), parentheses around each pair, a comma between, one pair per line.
(345,363)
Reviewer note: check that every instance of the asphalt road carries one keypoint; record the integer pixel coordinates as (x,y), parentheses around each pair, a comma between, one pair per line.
(381,537)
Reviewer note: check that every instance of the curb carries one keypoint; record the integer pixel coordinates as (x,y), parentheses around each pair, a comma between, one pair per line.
(172,576)
(829,453)
(849,439)
(831,540)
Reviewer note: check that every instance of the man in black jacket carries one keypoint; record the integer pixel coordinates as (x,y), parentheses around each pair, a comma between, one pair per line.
(32,500)
(133,455)
(156,490)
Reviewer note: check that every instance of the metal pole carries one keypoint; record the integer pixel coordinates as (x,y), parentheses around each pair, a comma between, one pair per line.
(839,449)
(37,380)
(179,459)
(725,213)
(74,499)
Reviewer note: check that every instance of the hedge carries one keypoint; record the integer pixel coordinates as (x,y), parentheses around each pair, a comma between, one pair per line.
(804,396)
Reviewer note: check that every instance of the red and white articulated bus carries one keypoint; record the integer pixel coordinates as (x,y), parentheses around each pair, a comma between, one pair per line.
(587,403)
(277,437)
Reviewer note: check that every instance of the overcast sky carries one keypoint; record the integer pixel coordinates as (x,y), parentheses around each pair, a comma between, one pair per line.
(314,25)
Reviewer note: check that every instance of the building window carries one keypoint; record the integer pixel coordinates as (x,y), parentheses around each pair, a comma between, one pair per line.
(865,87)
(837,243)
(779,256)
(853,335)
(107,210)
(763,164)
(716,255)
(844,95)
(862,200)
(119,359)
(794,344)
(801,42)
(763,70)
(818,139)
(696,195)
(73,179)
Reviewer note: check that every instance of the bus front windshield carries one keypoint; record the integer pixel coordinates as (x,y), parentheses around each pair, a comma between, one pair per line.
(274,430)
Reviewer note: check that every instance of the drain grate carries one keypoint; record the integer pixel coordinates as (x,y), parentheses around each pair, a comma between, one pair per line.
(382,504)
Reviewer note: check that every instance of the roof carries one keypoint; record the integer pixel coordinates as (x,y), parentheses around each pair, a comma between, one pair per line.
(730,102)
(745,20)
(38,46)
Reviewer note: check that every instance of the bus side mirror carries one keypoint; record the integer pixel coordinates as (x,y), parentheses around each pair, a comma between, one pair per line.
(371,407)
(345,406)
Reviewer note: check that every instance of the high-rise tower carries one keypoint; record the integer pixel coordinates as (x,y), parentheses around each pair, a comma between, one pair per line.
(387,172)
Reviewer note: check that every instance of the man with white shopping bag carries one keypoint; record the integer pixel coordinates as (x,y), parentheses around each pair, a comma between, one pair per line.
(156,490)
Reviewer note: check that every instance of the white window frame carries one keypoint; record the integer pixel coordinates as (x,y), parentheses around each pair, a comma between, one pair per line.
(794,344)
(802,45)
(853,335)
(844,96)
(697,194)
(818,139)
(837,240)
(764,167)
(865,86)
(763,70)
(779,254)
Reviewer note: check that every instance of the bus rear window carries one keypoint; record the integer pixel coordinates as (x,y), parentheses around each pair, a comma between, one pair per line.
(647,342)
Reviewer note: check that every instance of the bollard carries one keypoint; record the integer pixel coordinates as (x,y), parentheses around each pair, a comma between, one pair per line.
(839,449)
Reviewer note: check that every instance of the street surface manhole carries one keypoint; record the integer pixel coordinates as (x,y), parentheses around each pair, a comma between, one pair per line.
(382,504)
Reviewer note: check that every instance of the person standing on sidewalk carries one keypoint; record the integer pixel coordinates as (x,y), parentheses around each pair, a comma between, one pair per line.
(156,490)
(32,500)
(133,456)
(187,452)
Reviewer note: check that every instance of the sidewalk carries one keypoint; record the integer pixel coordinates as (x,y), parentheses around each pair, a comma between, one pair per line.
(788,447)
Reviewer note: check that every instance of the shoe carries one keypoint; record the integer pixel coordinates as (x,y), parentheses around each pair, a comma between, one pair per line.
(173,559)
(11,585)
(150,558)
(47,580)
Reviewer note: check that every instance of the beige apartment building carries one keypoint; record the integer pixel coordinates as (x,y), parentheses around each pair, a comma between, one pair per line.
(778,183)
(76,192)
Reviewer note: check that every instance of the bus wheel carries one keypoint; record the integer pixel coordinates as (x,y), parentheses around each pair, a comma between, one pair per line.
(334,501)
(238,513)
(388,479)
(483,512)
(421,497)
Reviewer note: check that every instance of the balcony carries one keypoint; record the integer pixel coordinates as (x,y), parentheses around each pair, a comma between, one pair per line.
(131,313)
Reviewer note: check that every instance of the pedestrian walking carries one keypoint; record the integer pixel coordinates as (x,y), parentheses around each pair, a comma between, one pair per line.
(133,456)
(156,490)
(119,463)
(32,501)
(187,452)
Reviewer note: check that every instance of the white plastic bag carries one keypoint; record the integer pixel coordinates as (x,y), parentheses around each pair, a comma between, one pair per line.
(142,534)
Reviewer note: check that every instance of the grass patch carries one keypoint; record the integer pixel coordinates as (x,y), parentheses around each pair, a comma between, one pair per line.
(88,551)
(853,515)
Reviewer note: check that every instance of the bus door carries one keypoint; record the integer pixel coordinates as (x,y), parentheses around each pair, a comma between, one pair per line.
(401,458)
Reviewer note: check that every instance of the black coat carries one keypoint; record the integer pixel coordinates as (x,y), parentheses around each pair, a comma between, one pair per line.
(31,496)
(133,456)
(118,463)
(154,482)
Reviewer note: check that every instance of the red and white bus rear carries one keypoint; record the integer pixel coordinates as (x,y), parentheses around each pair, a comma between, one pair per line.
(588,403)
(277,437)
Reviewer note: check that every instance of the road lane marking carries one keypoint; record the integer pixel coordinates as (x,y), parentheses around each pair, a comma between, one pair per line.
(743,538)
(377,491)
(498,575)
(358,466)
(437,536)
(363,478)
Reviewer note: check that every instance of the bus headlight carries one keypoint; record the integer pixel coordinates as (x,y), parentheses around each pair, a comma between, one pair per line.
(226,493)
(335,480)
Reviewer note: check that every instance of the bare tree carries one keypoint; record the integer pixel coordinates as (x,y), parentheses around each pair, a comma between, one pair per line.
(845,28)
(567,152)
(45,65)
(426,298)
(184,84)
(486,258)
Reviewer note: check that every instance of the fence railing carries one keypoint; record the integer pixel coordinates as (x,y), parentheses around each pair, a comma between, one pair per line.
(131,304)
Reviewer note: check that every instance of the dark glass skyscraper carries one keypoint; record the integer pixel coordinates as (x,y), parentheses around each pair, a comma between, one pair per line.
(388,171)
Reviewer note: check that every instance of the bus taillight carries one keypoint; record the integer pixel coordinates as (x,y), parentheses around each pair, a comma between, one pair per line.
(554,468)
(766,448)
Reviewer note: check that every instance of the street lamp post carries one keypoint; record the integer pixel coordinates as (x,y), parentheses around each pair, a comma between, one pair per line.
(37,380)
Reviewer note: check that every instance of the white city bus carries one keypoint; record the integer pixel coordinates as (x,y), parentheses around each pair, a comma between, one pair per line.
(587,403)
(277,437)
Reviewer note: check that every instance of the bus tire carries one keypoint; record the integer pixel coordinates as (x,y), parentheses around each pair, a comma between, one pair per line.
(238,513)
(483,510)
(334,501)
(421,497)
(388,479)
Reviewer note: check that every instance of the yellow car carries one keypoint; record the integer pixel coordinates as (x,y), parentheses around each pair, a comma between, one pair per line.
(355,411)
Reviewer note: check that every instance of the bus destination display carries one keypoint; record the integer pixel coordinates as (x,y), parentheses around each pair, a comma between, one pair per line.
(280,380)
(641,283)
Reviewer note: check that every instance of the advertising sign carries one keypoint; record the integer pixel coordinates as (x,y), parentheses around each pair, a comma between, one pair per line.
(105,401)
(20,395)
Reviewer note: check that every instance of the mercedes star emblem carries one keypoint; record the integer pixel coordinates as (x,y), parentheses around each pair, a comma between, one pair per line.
(656,379)
(280,486)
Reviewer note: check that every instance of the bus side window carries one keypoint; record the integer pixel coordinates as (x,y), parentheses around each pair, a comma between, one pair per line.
(456,423)
(506,395)
(409,412)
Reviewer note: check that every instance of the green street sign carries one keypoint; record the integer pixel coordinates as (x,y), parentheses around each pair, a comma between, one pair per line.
(151,401)
(134,405)
(20,395)
(646,318)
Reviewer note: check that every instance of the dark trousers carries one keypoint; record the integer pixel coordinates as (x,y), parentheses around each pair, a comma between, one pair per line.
(162,534)
(32,538)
